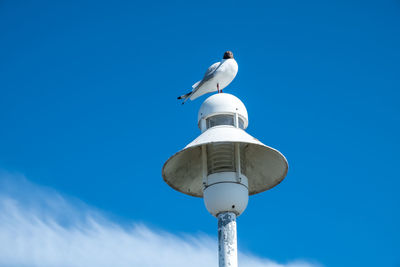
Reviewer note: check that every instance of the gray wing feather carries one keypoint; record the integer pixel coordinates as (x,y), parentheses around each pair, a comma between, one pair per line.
(211,71)
(208,75)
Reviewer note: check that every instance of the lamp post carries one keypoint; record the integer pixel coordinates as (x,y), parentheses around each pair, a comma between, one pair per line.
(224,165)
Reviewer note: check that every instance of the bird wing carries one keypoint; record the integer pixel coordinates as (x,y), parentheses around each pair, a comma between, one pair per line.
(211,71)
(208,75)
(196,84)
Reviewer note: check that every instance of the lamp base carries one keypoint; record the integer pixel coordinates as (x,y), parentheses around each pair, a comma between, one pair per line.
(225,194)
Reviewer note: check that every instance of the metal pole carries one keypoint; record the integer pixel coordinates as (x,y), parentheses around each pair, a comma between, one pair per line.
(227,240)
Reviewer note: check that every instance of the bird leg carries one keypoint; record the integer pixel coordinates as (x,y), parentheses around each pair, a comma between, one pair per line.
(218,87)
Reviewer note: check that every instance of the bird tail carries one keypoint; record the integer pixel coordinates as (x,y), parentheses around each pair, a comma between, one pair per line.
(185,97)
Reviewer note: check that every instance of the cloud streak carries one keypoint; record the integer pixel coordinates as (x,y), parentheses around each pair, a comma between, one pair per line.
(39,227)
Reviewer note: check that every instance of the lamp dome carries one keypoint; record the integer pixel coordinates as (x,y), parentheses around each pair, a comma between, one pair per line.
(223,104)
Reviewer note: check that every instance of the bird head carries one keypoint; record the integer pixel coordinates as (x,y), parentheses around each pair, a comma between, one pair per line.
(228,54)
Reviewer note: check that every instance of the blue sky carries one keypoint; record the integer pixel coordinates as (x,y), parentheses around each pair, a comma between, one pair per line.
(88,110)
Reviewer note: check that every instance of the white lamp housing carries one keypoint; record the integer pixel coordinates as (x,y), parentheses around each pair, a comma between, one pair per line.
(224,165)
(225,193)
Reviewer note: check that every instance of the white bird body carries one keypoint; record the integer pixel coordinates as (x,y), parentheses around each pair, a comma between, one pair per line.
(217,77)
(221,73)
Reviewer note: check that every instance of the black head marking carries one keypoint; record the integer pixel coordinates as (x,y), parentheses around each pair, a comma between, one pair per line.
(228,54)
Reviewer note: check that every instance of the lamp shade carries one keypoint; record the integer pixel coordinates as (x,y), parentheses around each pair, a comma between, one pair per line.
(265,167)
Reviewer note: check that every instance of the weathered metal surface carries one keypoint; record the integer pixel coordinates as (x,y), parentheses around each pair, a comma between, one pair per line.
(265,166)
(227,240)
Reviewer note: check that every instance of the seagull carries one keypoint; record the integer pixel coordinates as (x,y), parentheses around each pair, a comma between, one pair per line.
(216,78)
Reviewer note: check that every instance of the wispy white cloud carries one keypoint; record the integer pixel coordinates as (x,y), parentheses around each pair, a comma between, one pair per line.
(39,227)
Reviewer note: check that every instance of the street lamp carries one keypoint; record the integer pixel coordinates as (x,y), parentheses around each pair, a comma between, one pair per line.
(224,165)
